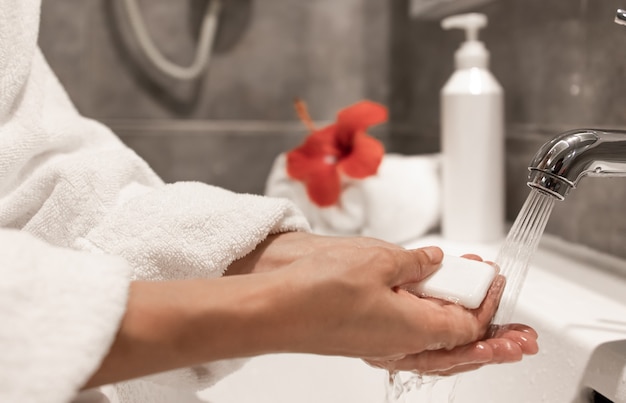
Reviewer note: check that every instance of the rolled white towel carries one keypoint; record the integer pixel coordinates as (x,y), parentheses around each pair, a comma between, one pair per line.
(401,202)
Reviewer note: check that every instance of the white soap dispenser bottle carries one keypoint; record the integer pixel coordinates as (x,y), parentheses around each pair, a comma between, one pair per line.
(472,124)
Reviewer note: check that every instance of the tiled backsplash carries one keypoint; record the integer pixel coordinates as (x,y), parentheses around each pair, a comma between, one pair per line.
(562,64)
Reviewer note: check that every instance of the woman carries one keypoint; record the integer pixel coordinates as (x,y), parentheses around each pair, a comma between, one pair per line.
(108,274)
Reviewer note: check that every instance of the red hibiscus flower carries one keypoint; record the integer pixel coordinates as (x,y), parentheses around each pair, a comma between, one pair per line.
(341,148)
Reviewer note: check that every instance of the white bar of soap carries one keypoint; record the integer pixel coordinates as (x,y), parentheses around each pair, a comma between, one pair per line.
(459,280)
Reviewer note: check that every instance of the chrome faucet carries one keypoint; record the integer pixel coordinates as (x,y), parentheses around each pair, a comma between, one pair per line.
(563,161)
(560,163)
(620,17)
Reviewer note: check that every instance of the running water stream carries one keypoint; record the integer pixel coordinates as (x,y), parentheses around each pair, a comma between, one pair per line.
(519,247)
(513,259)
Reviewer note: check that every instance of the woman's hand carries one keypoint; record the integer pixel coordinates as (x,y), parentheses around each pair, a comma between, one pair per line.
(347,299)
(507,344)
(503,344)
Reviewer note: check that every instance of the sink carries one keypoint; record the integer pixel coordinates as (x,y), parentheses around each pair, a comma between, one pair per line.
(574,297)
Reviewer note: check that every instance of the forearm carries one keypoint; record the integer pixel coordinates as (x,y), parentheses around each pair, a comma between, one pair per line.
(176,324)
(343,300)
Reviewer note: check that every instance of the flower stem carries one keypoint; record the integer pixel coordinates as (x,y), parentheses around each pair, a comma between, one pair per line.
(303,113)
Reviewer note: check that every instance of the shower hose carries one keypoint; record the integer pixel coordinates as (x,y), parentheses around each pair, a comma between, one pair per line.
(154,55)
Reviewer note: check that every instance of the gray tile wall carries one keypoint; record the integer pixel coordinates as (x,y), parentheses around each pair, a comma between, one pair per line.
(562,64)
(329,52)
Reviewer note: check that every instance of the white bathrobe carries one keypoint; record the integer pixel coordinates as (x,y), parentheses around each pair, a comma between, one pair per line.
(81,215)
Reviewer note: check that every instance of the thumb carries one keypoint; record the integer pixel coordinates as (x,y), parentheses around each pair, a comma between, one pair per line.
(417,264)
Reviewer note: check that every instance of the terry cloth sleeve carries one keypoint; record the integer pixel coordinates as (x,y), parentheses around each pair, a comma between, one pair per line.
(69,181)
(72,183)
(59,312)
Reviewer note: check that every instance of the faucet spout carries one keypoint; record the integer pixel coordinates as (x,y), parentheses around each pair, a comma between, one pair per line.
(620,17)
(560,163)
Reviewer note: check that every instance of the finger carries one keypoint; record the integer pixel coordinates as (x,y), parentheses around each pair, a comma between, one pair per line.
(458,369)
(458,326)
(527,341)
(437,361)
(416,264)
(504,351)
(527,344)
(520,327)
(472,256)
(486,311)
(460,359)
(494,264)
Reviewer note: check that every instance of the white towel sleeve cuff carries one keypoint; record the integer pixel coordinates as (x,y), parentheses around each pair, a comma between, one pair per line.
(190,230)
(59,313)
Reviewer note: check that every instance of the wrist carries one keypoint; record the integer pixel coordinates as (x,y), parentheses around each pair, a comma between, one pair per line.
(274,252)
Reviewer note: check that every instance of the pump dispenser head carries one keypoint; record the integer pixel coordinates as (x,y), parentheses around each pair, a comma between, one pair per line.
(472,52)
